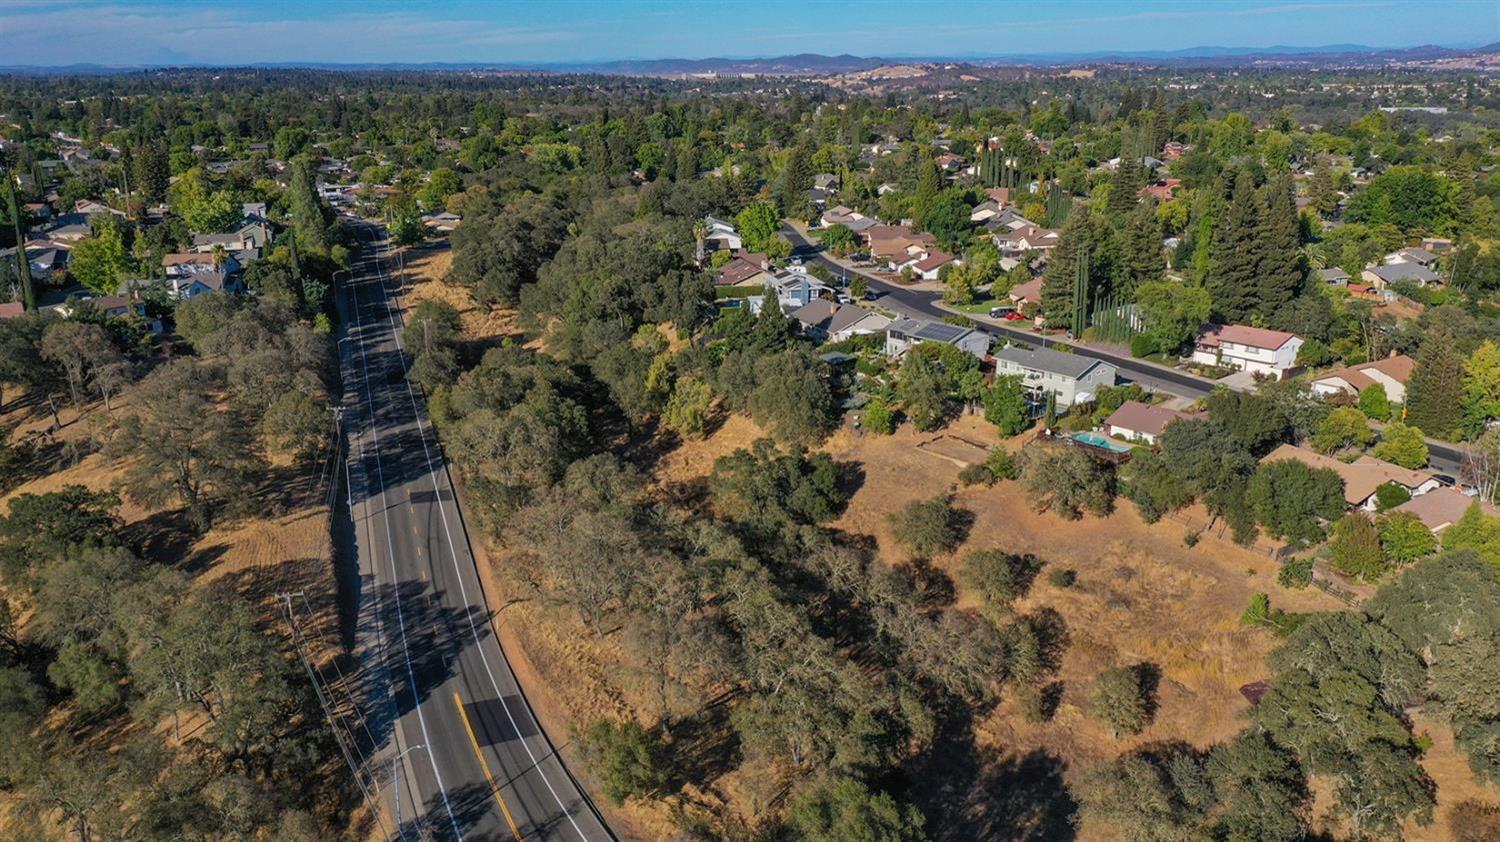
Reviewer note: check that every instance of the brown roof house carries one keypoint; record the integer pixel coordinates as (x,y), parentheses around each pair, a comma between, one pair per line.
(1136,421)
(1391,373)
(1362,477)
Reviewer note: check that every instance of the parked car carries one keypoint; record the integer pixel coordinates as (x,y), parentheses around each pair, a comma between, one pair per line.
(1013,316)
(1001,312)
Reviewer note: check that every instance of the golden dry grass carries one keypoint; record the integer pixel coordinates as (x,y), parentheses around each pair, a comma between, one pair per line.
(427,271)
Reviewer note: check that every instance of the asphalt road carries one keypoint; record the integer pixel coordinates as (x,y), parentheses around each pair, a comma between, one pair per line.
(1444,458)
(454,749)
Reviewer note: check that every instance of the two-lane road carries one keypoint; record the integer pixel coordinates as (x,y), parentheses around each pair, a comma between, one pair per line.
(456,751)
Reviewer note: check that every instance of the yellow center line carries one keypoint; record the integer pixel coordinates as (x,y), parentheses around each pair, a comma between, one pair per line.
(473,740)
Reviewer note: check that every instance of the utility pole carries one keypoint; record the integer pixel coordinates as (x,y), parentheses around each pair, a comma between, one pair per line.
(23,263)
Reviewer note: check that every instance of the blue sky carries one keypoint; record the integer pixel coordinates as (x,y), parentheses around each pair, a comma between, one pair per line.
(58,32)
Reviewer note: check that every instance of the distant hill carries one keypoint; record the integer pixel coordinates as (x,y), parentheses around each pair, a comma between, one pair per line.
(810,64)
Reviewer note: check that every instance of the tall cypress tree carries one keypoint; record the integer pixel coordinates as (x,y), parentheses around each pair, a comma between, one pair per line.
(1281,269)
(1235,254)
(1126,185)
(1435,393)
(150,171)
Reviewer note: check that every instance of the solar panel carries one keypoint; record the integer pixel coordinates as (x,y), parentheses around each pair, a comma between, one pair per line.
(940,332)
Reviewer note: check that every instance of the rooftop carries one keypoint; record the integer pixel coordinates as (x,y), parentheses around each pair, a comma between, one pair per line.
(1048,360)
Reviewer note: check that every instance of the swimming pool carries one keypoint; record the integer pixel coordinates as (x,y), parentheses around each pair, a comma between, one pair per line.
(1100,441)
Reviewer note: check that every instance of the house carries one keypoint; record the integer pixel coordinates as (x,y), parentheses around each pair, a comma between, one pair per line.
(1000,195)
(1386,274)
(814,317)
(1027,293)
(1162,190)
(887,240)
(1255,349)
(68,228)
(1421,257)
(190,274)
(721,235)
(38,210)
(886,187)
(826,181)
(1026,239)
(1334,276)
(985,211)
(746,269)
(1008,219)
(1442,507)
(1073,378)
(1362,477)
(1437,244)
(796,288)
(89,207)
(251,235)
(46,259)
(1136,421)
(902,334)
(840,215)
(930,263)
(850,321)
(442,222)
(1391,372)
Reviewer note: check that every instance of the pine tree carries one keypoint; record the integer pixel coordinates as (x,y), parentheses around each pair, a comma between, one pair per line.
(150,172)
(1435,393)
(1282,274)
(307,214)
(1234,254)
(1142,257)
(1062,268)
(1325,199)
(1127,184)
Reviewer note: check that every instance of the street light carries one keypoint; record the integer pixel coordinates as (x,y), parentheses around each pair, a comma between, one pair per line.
(396,780)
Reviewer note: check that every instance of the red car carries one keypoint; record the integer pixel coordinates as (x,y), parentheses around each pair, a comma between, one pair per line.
(1013,316)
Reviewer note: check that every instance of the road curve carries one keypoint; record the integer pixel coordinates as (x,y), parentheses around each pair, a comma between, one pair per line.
(456,752)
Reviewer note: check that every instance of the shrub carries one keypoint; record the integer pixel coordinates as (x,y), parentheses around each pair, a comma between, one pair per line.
(1001,464)
(627,759)
(999,577)
(878,418)
(926,527)
(1120,700)
(1391,495)
(976,475)
(1062,577)
(1296,573)
(1143,345)
(1355,548)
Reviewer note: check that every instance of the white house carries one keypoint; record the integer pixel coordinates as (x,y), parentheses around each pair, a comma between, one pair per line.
(1254,349)
(796,288)
(1136,421)
(721,235)
(1073,378)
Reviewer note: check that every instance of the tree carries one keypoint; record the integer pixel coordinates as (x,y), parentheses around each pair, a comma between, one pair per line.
(927,527)
(150,173)
(792,397)
(1235,254)
(100,262)
(81,348)
(1172,313)
(1435,391)
(1255,421)
(1261,791)
(1005,405)
(878,417)
(1119,700)
(1324,195)
(1475,531)
(184,447)
(204,209)
(1148,795)
(999,577)
(306,210)
(1402,444)
(1063,479)
(1153,487)
(923,390)
(1374,403)
(767,487)
(1290,499)
(1356,547)
(687,410)
(1404,538)
(1281,273)
(845,810)
(757,225)
(839,239)
(628,760)
(1143,258)
(1481,387)
(1409,197)
(1344,427)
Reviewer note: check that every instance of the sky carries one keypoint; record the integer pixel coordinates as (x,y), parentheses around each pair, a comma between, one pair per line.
(233,32)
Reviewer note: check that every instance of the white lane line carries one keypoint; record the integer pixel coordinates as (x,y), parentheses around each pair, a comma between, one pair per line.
(452,551)
(391,558)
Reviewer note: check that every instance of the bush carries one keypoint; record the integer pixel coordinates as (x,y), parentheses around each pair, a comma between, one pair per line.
(878,418)
(999,577)
(976,475)
(1390,495)
(1120,700)
(927,527)
(1143,345)
(627,759)
(1355,548)
(1001,464)
(1062,577)
(1296,573)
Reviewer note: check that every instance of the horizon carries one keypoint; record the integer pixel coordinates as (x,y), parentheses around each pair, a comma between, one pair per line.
(102,33)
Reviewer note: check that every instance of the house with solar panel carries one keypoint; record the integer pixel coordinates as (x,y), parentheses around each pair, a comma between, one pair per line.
(1073,378)
(904,333)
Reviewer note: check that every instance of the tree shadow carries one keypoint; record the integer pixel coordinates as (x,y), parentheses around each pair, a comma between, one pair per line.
(1052,633)
(1148,675)
(165,537)
(970,792)
(705,746)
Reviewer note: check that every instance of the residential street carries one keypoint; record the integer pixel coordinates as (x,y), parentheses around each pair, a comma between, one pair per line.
(1445,458)
(458,753)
